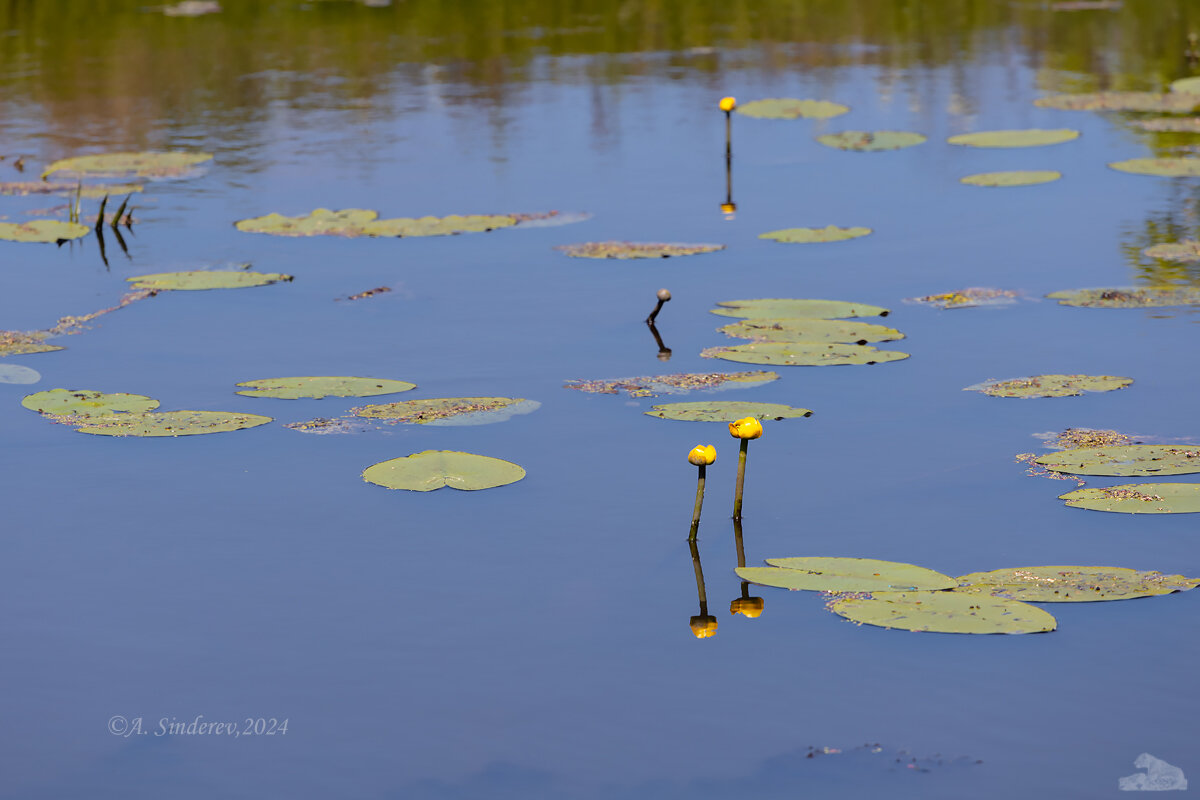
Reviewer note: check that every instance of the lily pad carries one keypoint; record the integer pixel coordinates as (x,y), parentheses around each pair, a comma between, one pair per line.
(1185,251)
(819,574)
(797,329)
(1012,178)
(200,280)
(968,298)
(1125,460)
(317,387)
(787,307)
(192,8)
(433,469)
(144,165)
(95,190)
(1123,297)
(1015,138)
(1050,386)
(789,108)
(943,612)
(87,402)
(1120,101)
(636,249)
(1162,167)
(681,383)
(830,233)
(170,423)
(871,141)
(19,343)
(14,373)
(1170,124)
(725,411)
(1187,85)
(803,354)
(449,410)
(42,231)
(1072,584)
(1139,498)
(439,226)
(355,222)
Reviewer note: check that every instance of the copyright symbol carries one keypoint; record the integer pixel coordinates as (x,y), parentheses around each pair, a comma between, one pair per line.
(118,725)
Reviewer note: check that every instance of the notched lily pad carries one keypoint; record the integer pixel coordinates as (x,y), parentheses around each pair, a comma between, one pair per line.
(200,280)
(1072,584)
(1012,178)
(726,411)
(143,165)
(871,141)
(449,410)
(317,387)
(788,307)
(803,354)
(789,108)
(1126,297)
(1125,460)
(636,249)
(943,612)
(170,423)
(821,574)
(1139,498)
(1162,167)
(968,298)
(1120,101)
(1015,138)
(680,383)
(797,329)
(1186,251)
(42,231)
(87,402)
(830,233)
(433,469)
(1050,386)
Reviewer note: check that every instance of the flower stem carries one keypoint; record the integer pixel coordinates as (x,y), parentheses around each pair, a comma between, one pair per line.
(699,579)
(741,476)
(728,135)
(699,503)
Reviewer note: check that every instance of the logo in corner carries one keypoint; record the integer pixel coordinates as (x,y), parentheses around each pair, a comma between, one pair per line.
(1158,777)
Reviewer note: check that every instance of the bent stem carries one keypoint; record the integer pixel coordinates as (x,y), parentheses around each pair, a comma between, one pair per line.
(741,476)
(699,503)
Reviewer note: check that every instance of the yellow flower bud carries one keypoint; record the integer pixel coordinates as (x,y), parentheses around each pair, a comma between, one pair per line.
(728,208)
(704,627)
(747,606)
(728,104)
(702,455)
(747,428)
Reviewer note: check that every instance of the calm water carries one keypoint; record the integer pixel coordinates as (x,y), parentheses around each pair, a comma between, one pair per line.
(532,641)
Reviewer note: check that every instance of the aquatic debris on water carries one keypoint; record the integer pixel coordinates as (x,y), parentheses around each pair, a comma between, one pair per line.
(1050,386)
(625,250)
(968,298)
(679,383)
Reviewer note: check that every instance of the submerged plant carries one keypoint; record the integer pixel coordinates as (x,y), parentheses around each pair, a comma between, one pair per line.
(745,429)
(703,625)
(701,456)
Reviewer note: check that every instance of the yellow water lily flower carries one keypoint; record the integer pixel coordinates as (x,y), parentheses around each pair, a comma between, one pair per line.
(746,428)
(728,104)
(747,606)
(702,455)
(704,627)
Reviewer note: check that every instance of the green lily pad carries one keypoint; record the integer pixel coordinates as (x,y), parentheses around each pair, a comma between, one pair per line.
(819,574)
(1185,251)
(1125,460)
(1139,498)
(775,308)
(439,226)
(355,222)
(1013,178)
(1170,124)
(87,402)
(433,469)
(144,165)
(789,108)
(1072,584)
(14,373)
(968,298)
(199,280)
(636,249)
(1162,167)
(871,141)
(830,233)
(19,343)
(1120,101)
(681,383)
(449,410)
(796,329)
(170,423)
(1122,297)
(309,387)
(1050,386)
(95,190)
(1187,85)
(42,231)
(803,354)
(943,612)
(725,411)
(1017,138)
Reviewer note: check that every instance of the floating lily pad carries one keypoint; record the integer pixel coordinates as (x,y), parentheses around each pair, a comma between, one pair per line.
(144,165)
(803,354)
(943,612)
(819,574)
(789,108)
(42,231)
(95,190)
(1170,124)
(1075,438)
(433,469)
(323,426)
(1187,85)
(450,410)
(1122,297)
(1072,584)
(797,329)
(199,280)
(296,388)
(788,307)
(968,298)
(19,343)
(1013,178)
(1050,386)
(87,402)
(830,233)
(170,423)
(14,373)
(1017,138)
(726,411)
(1162,167)
(681,383)
(870,141)
(1139,498)
(355,222)
(1120,101)
(636,249)
(1185,251)
(439,226)
(1125,460)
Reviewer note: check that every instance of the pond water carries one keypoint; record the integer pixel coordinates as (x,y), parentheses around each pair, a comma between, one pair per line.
(532,640)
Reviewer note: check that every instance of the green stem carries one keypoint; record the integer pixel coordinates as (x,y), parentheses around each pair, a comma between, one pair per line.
(699,579)
(737,540)
(741,476)
(699,503)
(728,134)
